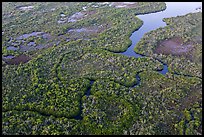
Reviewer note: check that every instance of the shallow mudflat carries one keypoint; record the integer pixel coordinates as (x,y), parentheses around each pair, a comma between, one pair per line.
(8,57)
(34,34)
(29,41)
(174,46)
(80,86)
(18,59)
(12,48)
(80,15)
(90,29)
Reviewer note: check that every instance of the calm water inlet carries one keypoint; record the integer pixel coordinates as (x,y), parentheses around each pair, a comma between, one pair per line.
(153,21)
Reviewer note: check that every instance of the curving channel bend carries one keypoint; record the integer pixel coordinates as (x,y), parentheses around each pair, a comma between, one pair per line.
(151,21)
(154,21)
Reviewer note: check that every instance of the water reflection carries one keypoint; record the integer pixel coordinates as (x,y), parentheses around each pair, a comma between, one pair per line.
(12,48)
(153,21)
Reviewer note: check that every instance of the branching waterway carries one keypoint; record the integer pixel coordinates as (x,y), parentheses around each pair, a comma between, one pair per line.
(154,21)
(151,22)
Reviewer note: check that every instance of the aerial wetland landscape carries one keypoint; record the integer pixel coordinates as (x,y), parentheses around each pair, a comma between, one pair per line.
(102,68)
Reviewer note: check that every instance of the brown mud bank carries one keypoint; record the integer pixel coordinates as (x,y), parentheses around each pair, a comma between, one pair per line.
(174,46)
(17,60)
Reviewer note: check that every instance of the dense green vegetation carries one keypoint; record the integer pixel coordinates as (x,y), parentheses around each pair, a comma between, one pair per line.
(45,20)
(28,122)
(47,94)
(163,103)
(189,29)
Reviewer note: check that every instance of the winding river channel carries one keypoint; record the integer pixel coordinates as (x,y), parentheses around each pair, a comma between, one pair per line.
(151,22)
(154,21)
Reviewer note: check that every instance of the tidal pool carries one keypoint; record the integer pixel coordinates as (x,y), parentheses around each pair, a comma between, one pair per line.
(8,57)
(12,48)
(25,36)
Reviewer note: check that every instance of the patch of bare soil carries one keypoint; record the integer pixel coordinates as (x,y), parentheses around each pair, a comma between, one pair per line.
(80,15)
(86,32)
(18,59)
(174,46)
(90,29)
(124,4)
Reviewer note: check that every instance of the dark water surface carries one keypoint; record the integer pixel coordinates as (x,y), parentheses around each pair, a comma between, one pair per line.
(88,92)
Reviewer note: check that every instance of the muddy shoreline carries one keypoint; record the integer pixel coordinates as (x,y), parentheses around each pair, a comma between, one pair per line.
(17,60)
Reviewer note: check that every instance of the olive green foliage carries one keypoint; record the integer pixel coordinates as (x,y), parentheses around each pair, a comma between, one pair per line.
(106,96)
(103,64)
(189,28)
(30,123)
(164,101)
(46,95)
